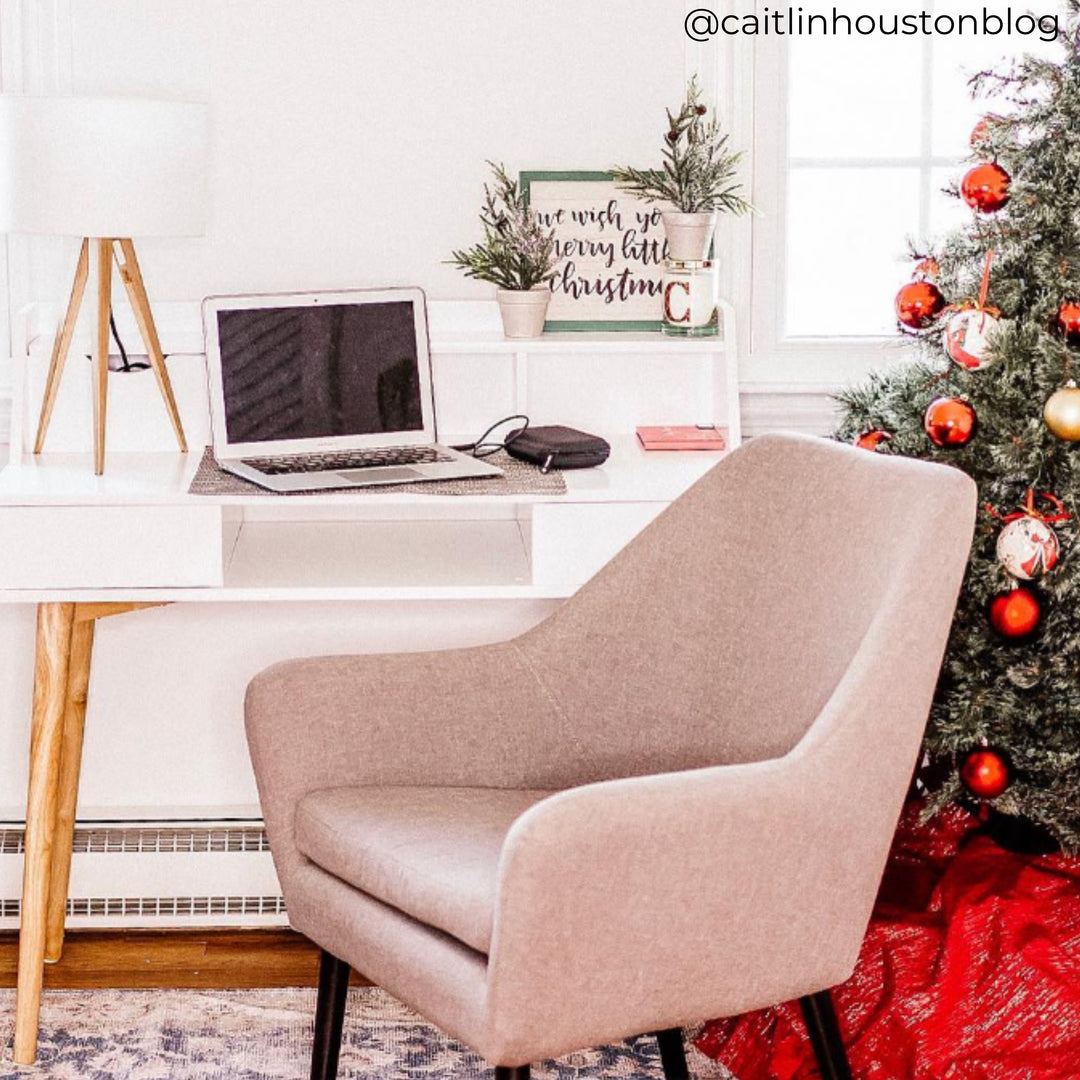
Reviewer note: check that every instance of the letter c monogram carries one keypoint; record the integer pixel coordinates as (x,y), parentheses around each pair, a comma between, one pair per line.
(668,313)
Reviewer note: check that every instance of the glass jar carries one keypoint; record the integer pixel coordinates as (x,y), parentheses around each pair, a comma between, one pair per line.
(690,298)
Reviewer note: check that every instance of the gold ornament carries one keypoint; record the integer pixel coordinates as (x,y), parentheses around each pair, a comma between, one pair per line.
(1062,413)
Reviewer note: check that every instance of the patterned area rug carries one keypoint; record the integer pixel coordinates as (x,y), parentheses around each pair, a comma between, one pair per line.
(266,1035)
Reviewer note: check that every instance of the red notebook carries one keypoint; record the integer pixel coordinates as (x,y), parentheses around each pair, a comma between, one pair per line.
(682,437)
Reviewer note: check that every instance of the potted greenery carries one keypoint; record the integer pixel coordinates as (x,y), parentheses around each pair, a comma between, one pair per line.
(517,254)
(697,179)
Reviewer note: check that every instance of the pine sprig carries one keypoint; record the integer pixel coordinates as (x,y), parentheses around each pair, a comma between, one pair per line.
(698,171)
(517,252)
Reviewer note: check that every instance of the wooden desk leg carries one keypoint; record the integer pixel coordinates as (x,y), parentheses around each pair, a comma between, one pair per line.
(51,663)
(78,684)
(65,642)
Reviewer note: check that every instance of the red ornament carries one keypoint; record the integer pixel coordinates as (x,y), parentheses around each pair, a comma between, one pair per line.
(918,303)
(1068,321)
(983,131)
(986,188)
(949,421)
(985,773)
(1015,615)
(872,440)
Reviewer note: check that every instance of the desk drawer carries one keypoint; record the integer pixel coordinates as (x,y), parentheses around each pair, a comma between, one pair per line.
(110,547)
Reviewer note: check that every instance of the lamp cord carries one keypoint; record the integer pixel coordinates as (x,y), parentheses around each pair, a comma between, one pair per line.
(125,363)
(479,449)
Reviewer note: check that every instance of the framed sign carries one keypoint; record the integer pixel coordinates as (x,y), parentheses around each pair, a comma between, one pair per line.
(611,250)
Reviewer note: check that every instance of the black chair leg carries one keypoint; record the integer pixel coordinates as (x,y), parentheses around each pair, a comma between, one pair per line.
(820,1017)
(329,1016)
(511,1072)
(673,1054)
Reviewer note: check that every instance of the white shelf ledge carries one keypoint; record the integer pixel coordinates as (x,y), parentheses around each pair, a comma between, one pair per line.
(188,342)
(146,479)
(456,328)
(573,344)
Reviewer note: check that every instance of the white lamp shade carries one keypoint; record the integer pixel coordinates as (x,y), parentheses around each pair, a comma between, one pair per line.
(107,167)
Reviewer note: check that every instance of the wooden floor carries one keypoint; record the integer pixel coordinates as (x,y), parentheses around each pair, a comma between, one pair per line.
(152,959)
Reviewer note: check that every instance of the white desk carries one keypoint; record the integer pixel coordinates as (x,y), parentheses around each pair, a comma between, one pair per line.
(59,525)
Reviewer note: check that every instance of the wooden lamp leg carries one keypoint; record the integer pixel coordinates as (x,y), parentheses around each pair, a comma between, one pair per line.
(63,344)
(82,645)
(54,630)
(101,351)
(131,275)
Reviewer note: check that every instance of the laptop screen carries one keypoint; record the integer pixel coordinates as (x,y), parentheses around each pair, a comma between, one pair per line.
(319,371)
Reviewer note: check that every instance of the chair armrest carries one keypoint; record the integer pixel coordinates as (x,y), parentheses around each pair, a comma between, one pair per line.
(635,905)
(639,904)
(456,718)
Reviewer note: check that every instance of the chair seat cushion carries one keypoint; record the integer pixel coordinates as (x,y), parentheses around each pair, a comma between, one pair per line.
(430,852)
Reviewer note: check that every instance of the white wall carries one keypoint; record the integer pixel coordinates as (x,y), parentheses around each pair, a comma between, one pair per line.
(350,135)
(349,141)
(162,743)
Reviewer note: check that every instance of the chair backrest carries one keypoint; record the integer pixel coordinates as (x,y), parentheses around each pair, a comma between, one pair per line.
(719,634)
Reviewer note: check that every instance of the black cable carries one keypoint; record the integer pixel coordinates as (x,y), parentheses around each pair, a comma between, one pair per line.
(125,363)
(483,449)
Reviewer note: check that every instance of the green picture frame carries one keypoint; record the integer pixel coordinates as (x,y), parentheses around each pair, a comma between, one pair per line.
(585,326)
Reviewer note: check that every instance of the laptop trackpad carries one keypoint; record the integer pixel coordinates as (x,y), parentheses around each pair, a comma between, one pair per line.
(397,474)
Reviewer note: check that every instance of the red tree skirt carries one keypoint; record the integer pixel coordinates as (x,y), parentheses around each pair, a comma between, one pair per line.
(970,971)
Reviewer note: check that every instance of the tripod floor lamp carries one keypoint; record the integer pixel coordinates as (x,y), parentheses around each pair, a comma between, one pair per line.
(106,170)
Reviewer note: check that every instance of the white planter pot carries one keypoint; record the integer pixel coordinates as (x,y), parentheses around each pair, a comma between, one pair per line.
(523,312)
(689,236)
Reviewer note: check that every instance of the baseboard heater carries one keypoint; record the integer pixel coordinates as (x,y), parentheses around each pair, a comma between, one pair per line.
(158,874)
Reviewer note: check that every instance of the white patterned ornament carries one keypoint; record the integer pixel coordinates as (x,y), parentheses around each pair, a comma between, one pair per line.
(965,338)
(1028,548)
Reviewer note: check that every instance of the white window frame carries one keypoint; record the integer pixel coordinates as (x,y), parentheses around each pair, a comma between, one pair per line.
(829,361)
(752,96)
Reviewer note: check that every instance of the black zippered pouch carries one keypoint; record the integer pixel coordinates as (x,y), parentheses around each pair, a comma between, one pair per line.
(557,447)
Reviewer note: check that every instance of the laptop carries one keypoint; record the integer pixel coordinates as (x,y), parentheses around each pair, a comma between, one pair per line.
(310,391)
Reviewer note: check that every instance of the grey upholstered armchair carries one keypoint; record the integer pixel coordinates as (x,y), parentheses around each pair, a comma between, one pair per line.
(673,799)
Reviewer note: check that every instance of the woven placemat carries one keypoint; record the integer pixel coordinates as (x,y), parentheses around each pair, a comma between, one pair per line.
(519,478)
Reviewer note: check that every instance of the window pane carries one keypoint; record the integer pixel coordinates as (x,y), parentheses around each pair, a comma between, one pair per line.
(946,212)
(875,98)
(846,248)
(957,57)
(855,97)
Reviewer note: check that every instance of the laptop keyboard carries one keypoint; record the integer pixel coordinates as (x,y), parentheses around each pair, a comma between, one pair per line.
(375,458)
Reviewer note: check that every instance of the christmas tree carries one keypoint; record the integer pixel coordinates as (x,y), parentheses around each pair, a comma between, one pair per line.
(995,310)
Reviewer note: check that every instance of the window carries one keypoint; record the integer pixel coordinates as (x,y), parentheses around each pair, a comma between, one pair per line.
(855,137)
